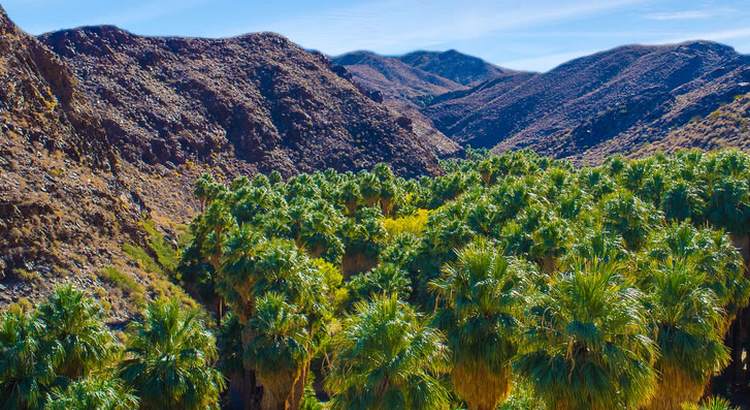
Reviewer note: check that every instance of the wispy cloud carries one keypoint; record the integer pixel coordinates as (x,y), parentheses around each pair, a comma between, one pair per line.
(545,62)
(681,15)
(392,26)
(127,14)
(719,35)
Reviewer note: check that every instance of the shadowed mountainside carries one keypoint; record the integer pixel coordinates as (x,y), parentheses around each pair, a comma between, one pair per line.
(621,100)
(615,101)
(257,98)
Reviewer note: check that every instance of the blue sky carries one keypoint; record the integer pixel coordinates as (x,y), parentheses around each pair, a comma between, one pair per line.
(528,34)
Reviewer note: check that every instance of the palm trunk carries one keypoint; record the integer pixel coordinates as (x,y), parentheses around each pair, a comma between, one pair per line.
(674,389)
(284,391)
(479,387)
(736,374)
(244,394)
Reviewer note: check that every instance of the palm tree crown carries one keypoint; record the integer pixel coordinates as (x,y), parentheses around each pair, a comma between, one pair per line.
(386,358)
(481,295)
(169,359)
(588,343)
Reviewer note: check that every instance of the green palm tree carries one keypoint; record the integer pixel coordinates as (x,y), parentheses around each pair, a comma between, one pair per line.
(712,403)
(207,189)
(26,370)
(362,237)
(314,228)
(481,296)
(587,343)
(488,169)
(254,266)
(100,393)
(687,318)
(711,254)
(683,200)
(169,359)
(388,187)
(386,278)
(728,207)
(280,350)
(254,270)
(550,242)
(386,358)
(74,325)
(369,188)
(626,215)
(350,196)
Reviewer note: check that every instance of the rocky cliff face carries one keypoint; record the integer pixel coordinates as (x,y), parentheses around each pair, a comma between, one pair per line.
(61,201)
(258,101)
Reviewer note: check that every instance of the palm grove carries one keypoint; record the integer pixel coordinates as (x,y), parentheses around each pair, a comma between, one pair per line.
(512,281)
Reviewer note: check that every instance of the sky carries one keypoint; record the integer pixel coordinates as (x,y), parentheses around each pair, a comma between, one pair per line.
(532,35)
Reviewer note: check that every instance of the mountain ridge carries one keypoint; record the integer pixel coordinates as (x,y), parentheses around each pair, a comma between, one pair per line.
(242,80)
(616,100)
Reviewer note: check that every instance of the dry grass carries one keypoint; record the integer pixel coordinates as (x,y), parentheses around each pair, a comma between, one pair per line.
(125,283)
(674,390)
(481,388)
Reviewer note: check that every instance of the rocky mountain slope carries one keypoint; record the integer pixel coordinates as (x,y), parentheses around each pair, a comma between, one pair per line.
(454,66)
(404,89)
(615,101)
(257,98)
(727,126)
(104,132)
(64,201)
(393,77)
(410,83)
(621,100)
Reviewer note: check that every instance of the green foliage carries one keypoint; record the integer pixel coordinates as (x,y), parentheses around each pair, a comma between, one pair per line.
(63,340)
(413,224)
(27,367)
(481,296)
(74,329)
(712,403)
(167,255)
(386,279)
(522,398)
(168,359)
(92,393)
(587,343)
(283,342)
(126,283)
(625,269)
(387,358)
(512,282)
(142,258)
(63,356)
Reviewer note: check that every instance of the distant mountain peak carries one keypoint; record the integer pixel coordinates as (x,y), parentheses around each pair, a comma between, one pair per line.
(454,65)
